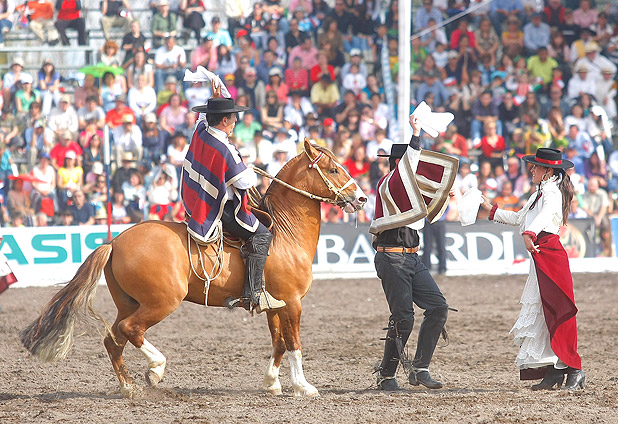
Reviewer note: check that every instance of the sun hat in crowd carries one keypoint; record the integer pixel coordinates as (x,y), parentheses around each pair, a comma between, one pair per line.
(127,118)
(70,155)
(592,47)
(453,54)
(97,168)
(121,98)
(274,71)
(171,79)
(65,98)
(26,79)
(355,52)
(17,61)
(150,117)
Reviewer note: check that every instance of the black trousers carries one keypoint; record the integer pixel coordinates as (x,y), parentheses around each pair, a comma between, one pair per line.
(435,234)
(78,24)
(406,281)
(233,227)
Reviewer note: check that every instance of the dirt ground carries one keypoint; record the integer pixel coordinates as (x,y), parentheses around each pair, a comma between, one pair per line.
(216,361)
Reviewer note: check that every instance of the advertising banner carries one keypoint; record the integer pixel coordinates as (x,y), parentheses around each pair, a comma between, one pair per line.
(49,255)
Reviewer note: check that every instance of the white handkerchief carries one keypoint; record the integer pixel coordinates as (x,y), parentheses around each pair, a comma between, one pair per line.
(433,123)
(202,74)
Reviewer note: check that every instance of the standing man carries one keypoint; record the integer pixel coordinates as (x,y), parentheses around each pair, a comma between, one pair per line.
(405,279)
(215,181)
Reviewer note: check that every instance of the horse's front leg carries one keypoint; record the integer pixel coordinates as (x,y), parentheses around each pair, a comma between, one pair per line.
(271,377)
(290,325)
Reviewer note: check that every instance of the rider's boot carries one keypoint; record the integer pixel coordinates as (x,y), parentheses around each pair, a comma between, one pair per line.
(255,297)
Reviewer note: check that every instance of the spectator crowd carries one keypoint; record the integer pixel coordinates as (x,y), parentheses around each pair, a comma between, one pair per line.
(517,75)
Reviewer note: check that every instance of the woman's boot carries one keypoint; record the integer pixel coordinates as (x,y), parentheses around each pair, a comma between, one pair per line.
(553,377)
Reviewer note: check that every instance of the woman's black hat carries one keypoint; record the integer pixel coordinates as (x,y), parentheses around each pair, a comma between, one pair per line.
(397,151)
(219,105)
(549,158)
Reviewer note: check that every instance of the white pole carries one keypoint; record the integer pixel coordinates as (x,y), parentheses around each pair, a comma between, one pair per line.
(403,77)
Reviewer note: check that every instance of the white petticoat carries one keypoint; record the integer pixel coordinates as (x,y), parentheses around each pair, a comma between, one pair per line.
(530,331)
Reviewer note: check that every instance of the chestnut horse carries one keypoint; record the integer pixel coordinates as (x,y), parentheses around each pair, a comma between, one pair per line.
(149,273)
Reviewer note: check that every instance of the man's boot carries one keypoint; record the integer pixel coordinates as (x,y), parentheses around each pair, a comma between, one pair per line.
(255,252)
(428,336)
(396,339)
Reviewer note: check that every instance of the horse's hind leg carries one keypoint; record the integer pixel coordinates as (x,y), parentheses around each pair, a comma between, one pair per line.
(290,324)
(271,377)
(115,344)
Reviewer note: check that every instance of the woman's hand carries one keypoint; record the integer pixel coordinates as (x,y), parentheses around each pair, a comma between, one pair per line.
(486,205)
(530,247)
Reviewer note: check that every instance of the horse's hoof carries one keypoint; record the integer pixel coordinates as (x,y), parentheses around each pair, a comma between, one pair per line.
(307,391)
(275,389)
(127,390)
(152,378)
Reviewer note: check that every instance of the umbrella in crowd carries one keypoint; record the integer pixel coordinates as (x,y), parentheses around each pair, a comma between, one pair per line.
(100,69)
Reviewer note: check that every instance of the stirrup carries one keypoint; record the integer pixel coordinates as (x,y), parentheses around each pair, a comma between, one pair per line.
(268,302)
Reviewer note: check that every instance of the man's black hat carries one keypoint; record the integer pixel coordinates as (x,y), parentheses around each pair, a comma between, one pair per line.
(219,105)
(397,151)
(549,158)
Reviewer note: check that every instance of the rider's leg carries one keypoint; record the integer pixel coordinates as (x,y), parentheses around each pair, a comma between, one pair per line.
(255,252)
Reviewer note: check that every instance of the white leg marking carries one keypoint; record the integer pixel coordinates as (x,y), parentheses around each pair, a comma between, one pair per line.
(156,363)
(271,378)
(301,387)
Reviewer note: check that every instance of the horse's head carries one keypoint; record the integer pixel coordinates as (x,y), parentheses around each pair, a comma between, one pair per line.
(332,180)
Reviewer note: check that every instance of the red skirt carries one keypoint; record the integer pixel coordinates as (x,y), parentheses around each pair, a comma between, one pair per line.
(556,288)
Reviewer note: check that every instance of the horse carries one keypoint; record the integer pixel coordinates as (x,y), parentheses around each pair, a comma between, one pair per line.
(149,271)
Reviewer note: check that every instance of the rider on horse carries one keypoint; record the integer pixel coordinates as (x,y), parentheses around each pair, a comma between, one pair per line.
(214,187)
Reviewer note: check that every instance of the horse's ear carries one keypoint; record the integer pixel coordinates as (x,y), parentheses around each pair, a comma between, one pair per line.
(311,151)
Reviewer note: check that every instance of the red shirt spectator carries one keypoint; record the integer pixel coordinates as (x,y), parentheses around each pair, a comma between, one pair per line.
(59,151)
(461,30)
(69,10)
(297,78)
(114,116)
(316,71)
(490,148)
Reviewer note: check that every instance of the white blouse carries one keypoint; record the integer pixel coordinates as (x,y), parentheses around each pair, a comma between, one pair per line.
(545,216)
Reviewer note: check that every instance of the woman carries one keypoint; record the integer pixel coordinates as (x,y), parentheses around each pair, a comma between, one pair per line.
(226,64)
(546,330)
(558,48)
(512,38)
(357,165)
(277,84)
(132,42)
(492,145)
(109,91)
(487,42)
(140,67)
(247,51)
(333,36)
(272,112)
(93,152)
(173,115)
(70,178)
(120,215)
(595,167)
(26,95)
(49,86)
(70,16)
(108,55)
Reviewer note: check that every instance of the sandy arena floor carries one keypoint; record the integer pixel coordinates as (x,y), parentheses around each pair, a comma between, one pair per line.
(216,361)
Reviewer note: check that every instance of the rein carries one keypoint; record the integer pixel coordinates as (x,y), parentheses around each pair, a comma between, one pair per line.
(313,165)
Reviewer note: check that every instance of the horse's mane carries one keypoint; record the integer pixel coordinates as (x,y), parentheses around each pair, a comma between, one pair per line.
(265,203)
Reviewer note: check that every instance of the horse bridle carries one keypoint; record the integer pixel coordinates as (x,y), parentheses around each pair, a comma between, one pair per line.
(339,199)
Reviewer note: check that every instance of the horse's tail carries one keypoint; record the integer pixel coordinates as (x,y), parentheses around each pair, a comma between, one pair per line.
(51,335)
